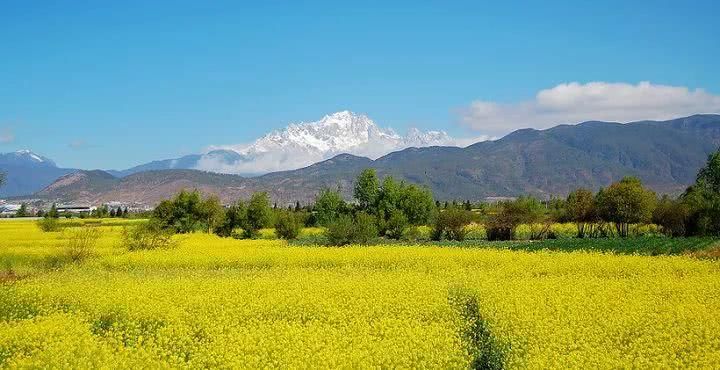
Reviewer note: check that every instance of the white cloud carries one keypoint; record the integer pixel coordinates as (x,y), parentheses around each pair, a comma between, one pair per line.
(603,101)
(79,144)
(300,145)
(6,136)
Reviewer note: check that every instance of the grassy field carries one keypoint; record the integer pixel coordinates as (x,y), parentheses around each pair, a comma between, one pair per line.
(214,302)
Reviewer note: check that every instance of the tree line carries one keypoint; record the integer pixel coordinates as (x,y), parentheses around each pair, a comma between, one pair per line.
(395,209)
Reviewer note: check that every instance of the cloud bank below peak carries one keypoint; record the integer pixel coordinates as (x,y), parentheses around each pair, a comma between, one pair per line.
(302,144)
(576,102)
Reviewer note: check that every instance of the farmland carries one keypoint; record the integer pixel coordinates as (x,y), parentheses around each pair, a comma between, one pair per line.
(221,302)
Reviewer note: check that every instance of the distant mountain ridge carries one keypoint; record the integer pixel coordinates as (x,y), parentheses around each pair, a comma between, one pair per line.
(301,144)
(28,172)
(665,155)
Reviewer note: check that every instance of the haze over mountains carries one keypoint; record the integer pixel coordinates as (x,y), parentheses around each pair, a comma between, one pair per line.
(665,155)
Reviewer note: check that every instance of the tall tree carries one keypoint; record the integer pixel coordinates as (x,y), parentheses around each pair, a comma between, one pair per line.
(703,199)
(366,190)
(212,212)
(626,202)
(581,209)
(329,205)
(259,214)
(235,217)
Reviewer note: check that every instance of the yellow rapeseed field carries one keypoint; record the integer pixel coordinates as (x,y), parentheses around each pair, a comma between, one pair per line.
(212,302)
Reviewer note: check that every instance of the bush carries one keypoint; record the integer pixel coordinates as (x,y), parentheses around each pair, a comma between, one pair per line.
(49,224)
(396,224)
(346,231)
(451,224)
(412,234)
(671,215)
(288,226)
(340,231)
(80,243)
(147,236)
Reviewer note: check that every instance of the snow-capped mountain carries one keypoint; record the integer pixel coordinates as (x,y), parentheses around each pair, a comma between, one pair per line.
(302,144)
(25,157)
(27,172)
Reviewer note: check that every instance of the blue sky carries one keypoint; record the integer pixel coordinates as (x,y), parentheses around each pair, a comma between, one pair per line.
(114,84)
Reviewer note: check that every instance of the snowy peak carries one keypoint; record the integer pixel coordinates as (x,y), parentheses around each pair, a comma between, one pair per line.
(25,157)
(302,144)
(342,132)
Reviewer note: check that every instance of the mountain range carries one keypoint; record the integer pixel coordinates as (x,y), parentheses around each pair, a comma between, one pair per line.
(300,145)
(28,172)
(666,155)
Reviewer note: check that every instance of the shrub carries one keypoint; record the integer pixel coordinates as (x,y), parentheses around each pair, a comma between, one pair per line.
(396,224)
(364,228)
(340,231)
(80,243)
(146,236)
(346,231)
(671,215)
(412,234)
(49,224)
(235,217)
(451,224)
(288,226)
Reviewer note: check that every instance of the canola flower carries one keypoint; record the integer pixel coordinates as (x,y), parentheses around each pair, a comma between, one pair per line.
(213,302)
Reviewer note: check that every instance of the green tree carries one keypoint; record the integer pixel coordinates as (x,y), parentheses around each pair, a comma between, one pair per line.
(580,208)
(288,225)
(213,213)
(367,187)
(235,217)
(329,205)
(396,224)
(626,202)
(502,223)
(451,224)
(348,230)
(297,206)
(112,212)
(533,213)
(259,214)
(416,203)
(703,199)
(183,214)
(672,215)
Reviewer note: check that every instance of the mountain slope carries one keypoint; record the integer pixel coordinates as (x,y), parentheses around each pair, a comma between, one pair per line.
(300,145)
(665,155)
(27,172)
